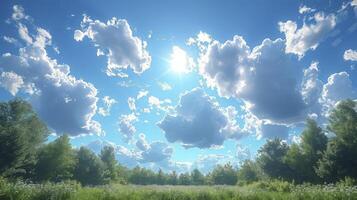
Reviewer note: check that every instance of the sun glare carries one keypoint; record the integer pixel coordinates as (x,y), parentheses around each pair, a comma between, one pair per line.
(180,62)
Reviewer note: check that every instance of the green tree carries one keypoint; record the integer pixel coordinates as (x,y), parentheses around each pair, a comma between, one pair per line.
(339,159)
(21,133)
(248,172)
(56,161)
(172,178)
(303,158)
(107,155)
(197,177)
(224,175)
(142,176)
(89,169)
(271,159)
(161,178)
(184,179)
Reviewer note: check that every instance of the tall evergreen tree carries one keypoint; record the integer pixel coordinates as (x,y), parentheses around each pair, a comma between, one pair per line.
(271,159)
(302,158)
(107,155)
(197,177)
(339,159)
(56,161)
(89,169)
(21,133)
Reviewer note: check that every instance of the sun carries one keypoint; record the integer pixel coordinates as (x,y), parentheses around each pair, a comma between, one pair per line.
(180,62)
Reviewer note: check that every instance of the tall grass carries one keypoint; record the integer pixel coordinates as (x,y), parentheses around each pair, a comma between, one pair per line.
(259,190)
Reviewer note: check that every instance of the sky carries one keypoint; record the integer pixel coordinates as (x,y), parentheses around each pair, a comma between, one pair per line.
(178,85)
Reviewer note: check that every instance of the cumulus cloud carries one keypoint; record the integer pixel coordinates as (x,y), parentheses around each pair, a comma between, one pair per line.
(131,103)
(198,121)
(11,82)
(350,55)
(311,85)
(116,41)
(236,71)
(164,86)
(142,93)
(65,103)
(126,126)
(308,37)
(11,40)
(153,155)
(160,105)
(304,9)
(180,61)
(337,88)
(153,152)
(108,103)
(19,13)
(205,163)
(222,64)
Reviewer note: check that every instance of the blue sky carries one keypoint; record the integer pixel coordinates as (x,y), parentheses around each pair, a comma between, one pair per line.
(179,85)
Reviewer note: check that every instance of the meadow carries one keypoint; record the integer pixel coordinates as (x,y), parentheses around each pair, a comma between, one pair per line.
(259,190)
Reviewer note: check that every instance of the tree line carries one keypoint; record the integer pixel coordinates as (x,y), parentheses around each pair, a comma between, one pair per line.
(25,154)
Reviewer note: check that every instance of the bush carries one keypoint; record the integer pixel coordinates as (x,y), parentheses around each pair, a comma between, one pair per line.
(273,186)
(28,191)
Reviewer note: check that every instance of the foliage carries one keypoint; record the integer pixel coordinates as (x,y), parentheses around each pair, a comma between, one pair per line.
(107,155)
(224,175)
(271,159)
(249,172)
(339,159)
(89,169)
(302,158)
(56,161)
(21,133)
(25,156)
(260,190)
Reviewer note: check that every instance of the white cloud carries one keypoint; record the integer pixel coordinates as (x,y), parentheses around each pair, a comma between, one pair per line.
(311,85)
(11,40)
(131,103)
(354,5)
(201,40)
(126,127)
(142,93)
(108,102)
(141,143)
(153,155)
(304,9)
(162,105)
(24,34)
(337,88)
(164,86)
(265,77)
(66,104)
(156,152)
(205,163)
(350,55)
(11,82)
(222,64)
(308,37)
(180,61)
(198,121)
(19,13)
(115,40)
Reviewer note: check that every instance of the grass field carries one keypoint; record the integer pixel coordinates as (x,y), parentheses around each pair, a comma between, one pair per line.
(260,190)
